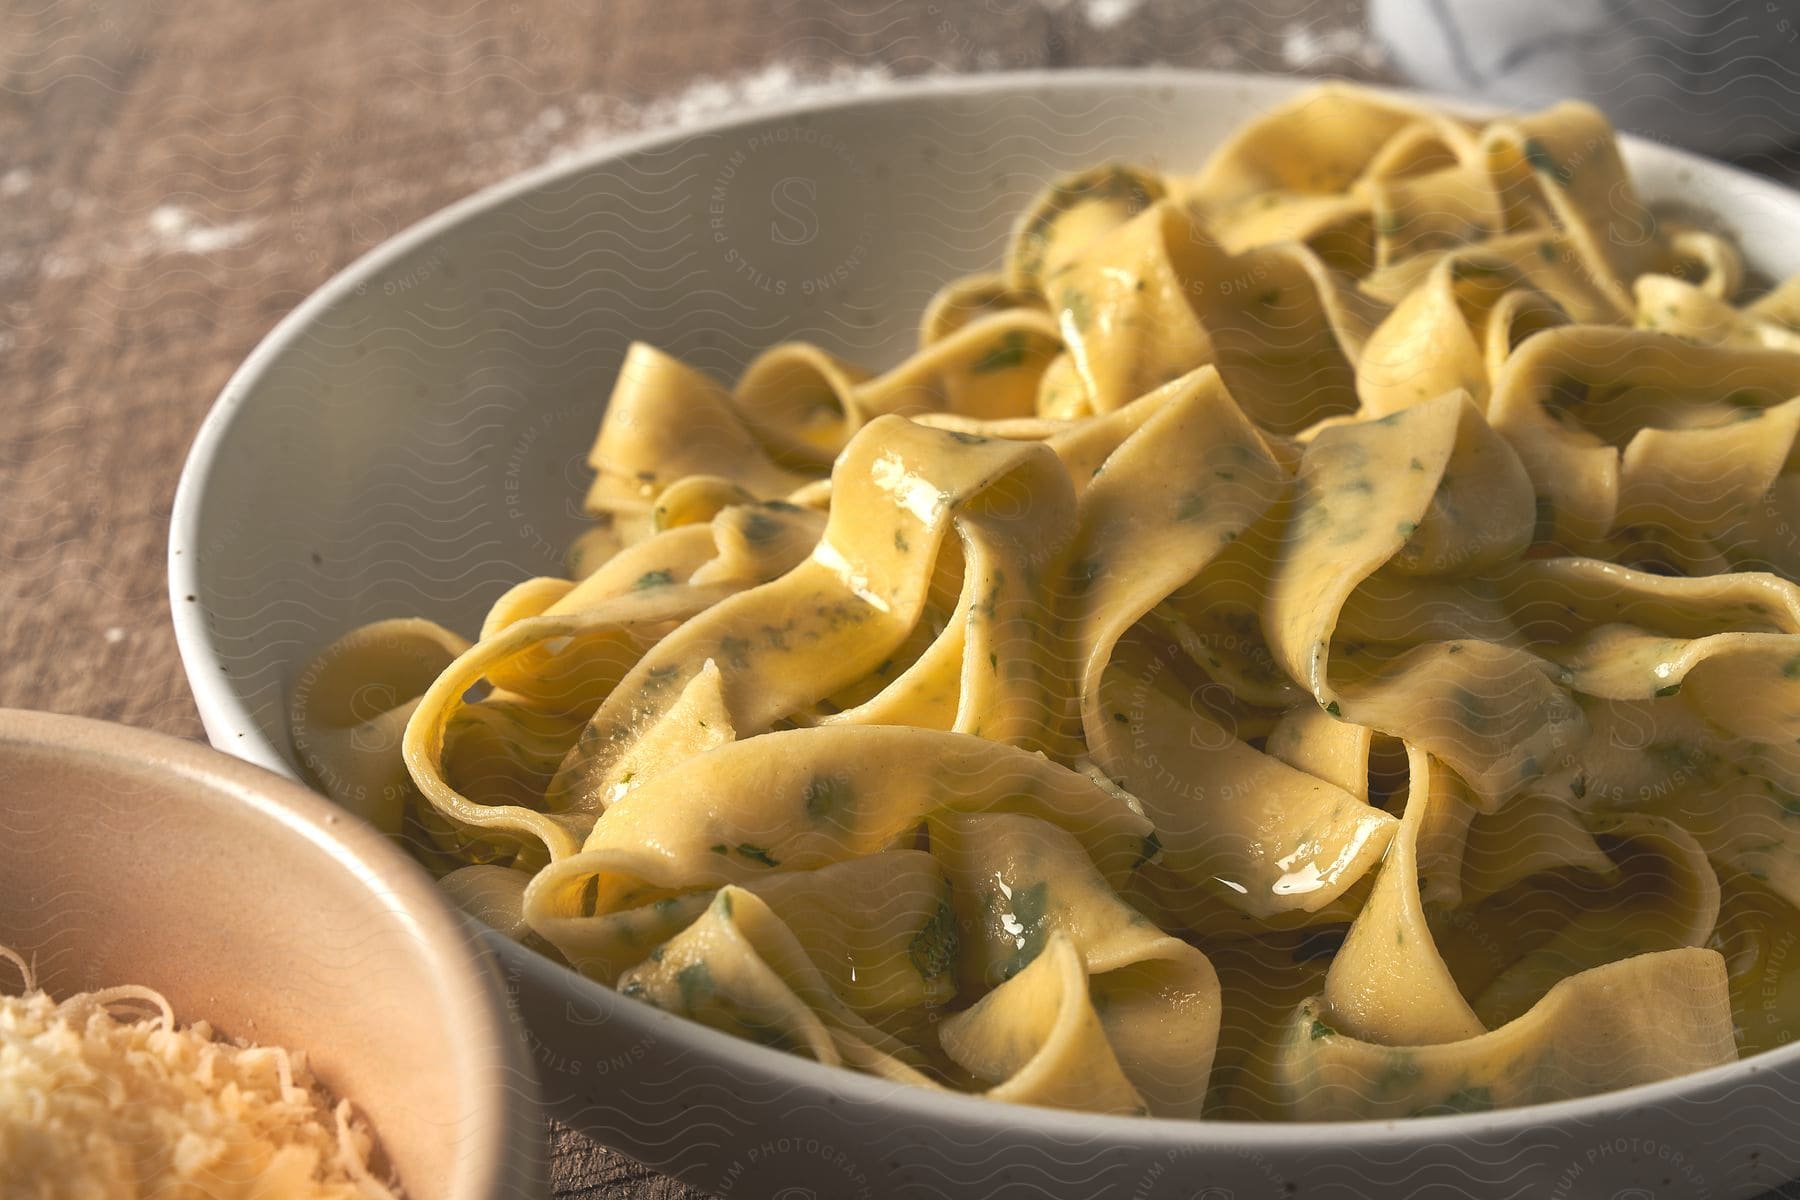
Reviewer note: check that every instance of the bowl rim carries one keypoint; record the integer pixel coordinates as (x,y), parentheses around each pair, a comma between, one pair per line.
(506,1137)
(224,712)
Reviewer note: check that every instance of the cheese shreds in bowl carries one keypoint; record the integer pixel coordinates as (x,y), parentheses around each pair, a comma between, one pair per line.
(103,1096)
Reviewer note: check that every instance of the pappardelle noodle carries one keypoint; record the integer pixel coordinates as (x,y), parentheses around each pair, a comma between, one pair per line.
(1310,639)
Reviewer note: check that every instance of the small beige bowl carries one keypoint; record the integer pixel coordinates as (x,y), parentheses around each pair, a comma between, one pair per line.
(130,857)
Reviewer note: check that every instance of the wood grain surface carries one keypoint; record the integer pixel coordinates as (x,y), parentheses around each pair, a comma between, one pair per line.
(174,177)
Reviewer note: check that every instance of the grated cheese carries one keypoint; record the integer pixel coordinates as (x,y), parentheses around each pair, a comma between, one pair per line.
(104,1097)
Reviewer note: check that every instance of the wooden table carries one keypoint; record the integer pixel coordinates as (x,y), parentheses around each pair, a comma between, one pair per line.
(175,177)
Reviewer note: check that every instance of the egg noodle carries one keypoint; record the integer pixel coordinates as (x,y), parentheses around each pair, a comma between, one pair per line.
(1312,639)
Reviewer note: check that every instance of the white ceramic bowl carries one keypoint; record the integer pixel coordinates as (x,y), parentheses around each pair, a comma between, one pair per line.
(254,904)
(410,441)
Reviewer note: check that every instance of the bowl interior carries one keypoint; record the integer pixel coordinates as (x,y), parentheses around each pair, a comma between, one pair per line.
(133,858)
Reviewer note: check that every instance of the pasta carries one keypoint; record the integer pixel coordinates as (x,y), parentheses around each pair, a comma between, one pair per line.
(1311,639)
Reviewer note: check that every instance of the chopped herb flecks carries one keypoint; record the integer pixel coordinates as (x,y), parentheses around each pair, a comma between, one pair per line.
(757,854)
(1005,354)
(828,796)
(696,984)
(759,527)
(736,651)
(933,949)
